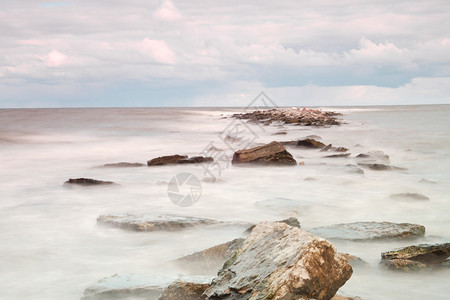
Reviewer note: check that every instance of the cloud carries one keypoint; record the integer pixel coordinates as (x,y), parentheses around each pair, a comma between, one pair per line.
(54,59)
(158,50)
(167,11)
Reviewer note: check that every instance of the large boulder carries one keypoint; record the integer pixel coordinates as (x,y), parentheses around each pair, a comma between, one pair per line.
(359,231)
(86,182)
(416,257)
(278,261)
(273,153)
(153,222)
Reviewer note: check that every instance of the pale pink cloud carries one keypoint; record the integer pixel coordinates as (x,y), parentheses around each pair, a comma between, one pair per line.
(54,59)
(33,42)
(158,50)
(167,11)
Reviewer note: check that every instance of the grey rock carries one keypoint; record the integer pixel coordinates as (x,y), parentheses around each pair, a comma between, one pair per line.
(273,153)
(86,182)
(409,196)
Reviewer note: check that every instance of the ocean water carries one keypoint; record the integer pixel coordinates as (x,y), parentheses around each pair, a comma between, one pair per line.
(52,247)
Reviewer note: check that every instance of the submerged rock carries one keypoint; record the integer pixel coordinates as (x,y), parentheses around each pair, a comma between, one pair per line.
(181,290)
(326,148)
(426,181)
(196,160)
(122,165)
(380,167)
(359,231)
(178,159)
(208,261)
(278,261)
(273,153)
(344,155)
(355,261)
(416,257)
(375,157)
(153,222)
(353,169)
(310,143)
(409,196)
(87,182)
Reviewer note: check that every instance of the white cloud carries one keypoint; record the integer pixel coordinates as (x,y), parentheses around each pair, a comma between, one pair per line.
(158,50)
(167,11)
(54,59)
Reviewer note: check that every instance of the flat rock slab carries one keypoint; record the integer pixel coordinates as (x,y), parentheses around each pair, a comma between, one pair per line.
(373,157)
(184,291)
(86,182)
(278,261)
(155,222)
(122,165)
(361,231)
(310,143)
(380,167)
(424,253)
(178,159)
(273,153)
(409,196)
(343,155)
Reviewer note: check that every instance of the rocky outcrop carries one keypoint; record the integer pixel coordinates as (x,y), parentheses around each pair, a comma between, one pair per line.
(278,261)
(374,157)
(310,143)
(122,165)
(297,116)
(273,153)
(153,222)
(180,290)
(178,159)
(86,182)
(409,196)
(416,257)
(370,231)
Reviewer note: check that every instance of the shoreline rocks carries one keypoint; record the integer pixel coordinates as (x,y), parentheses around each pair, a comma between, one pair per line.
(273,153)
(86,182)
(178,159)
(278,261)
(361,231)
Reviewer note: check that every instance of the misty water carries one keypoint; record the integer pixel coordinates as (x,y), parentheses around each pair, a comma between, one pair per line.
(52,247)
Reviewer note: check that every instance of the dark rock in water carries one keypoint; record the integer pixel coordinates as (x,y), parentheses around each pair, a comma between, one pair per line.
(403,265)
(310,179)
(208,261)
(153,223)
(123,165)
(87,182)
(278,261)
(409,196)
(360,231)
(166,160)
(288,143)
(375,157)
(280,133)
(180,290)
(196,160)
(424,253)
(341,149)
(326,148)
(353,169)
(273,153)
(313,136)
(310,143)
(355,261)
(344,155)
(380,167)
(423,180)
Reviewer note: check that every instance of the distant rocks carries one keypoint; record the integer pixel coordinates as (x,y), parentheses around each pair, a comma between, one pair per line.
(153,223)
(360,231)
(310,143)
(123,165)
(409,196)
(178,159)
(278,261)
(416,257)
(304,117)
(86,182)
(273,153)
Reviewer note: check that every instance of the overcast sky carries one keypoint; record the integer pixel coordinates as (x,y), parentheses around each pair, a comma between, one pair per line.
(223,53)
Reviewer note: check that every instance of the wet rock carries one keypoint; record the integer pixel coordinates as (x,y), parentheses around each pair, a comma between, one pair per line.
(310,179)
(355,261)
(341,149)
(412,257)
(380,167)
(166,160)
(208,261)
(374,157)
(123,165)
(326,148)
(196,160)
(180,290)
(344,155)
(153,222)
(313,136)
(339,297)
(310,143)
(278,261)
(360,231)
(280,133)
(353,169)
(86,182)
(403,265)
(409,196)
(273,153)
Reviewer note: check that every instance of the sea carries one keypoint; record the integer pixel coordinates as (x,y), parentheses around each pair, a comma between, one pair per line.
(53,248)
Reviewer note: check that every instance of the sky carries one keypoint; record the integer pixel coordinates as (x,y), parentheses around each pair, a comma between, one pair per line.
(115,53)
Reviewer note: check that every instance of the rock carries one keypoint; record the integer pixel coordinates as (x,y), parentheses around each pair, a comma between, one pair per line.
(196,160)
(339,297)
(280,133)
(344,155)
(273,153)
(290,221)
(409,196)
(380,167)
(403,265)
(123,165)
(310,179)
(208,261)
(87,182)
(178,159)
(313,136)
(353,169)
(341,149)
(360,231)
(310,143)
(326,148)
(355,261)
(180,290)
(278,261)
(127,286)
(424,253)
(153,222)
(423,180)
(166,160)
(376,157)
